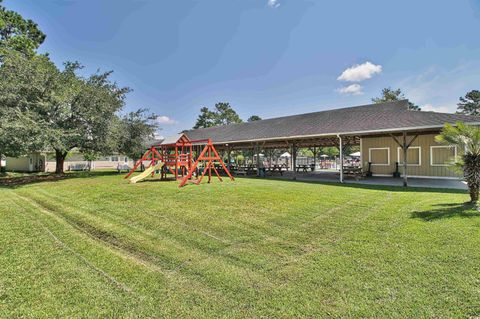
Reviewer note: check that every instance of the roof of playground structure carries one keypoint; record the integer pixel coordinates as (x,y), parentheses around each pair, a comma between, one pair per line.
(382,118)
(173,139)
(168,141)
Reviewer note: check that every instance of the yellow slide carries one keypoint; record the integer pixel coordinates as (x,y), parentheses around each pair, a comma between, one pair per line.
(146,173)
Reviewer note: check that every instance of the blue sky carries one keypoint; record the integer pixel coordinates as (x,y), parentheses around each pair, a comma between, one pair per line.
(267,57)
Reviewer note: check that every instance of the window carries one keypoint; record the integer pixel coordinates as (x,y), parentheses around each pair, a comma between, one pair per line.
(126,159)
(379,156)
(414,156)
(442,155)
(114,158)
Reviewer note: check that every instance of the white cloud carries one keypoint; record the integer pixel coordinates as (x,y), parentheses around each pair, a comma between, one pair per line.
(165,120)
(354,89)
(273,3)
(158,136)
(431,108)
(360,72)
(438,88)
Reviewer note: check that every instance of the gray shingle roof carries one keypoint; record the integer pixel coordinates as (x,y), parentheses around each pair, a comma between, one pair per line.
(390,116)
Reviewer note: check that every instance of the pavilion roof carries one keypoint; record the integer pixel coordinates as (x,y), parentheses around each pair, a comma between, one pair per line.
(380,118)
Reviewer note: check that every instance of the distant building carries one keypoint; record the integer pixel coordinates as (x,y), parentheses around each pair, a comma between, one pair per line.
(45,162)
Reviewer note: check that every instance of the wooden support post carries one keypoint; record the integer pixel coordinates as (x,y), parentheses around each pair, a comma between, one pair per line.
(153,163)
(176,162)
(229,157)
(405,165)
(341,157)
(314,151)
(257,153)
(209,165)
(294,161)
(405,146)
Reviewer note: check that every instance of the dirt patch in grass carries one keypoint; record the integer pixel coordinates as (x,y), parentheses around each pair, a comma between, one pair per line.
(28,179)
(14,179)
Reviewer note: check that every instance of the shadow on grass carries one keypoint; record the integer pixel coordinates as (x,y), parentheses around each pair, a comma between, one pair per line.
(442,211)
(390,188)
(157,180)
(17,181)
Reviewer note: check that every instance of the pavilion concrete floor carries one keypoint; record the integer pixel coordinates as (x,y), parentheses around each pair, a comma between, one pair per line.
(333,176)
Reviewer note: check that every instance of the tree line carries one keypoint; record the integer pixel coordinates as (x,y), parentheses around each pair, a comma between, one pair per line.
(224,113)
(46,108)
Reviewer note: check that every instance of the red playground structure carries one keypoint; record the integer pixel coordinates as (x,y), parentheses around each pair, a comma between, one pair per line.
(186,160)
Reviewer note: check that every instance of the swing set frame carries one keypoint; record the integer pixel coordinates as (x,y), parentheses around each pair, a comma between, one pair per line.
(178,159)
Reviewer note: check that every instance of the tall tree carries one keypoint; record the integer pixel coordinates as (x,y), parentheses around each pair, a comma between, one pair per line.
(388,95)
(470,104)
(86,116)
(135,129)
(254,118)
(18,129)
(17,33)
(222,115)
(62,110)
(26,85)
(205,119)
(225,114)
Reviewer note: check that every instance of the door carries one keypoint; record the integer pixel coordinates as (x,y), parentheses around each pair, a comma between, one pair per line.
(30,163)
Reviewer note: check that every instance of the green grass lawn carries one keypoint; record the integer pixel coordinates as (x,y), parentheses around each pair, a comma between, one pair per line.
(96,246)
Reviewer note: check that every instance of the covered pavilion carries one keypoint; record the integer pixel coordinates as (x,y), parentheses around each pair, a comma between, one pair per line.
(387,133)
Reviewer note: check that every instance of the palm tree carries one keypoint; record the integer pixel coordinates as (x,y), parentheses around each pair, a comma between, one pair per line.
(467,138)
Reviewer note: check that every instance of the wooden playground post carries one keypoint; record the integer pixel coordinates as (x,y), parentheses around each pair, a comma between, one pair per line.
(209,165)
(176,161)
(140,161)
(153,163)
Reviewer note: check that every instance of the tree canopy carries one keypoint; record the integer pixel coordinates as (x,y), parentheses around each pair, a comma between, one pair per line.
(17,33)
(26,87)
(388,95)
(223,114)
(465,137)
(57,109)
(134,128)
(254,118)
(43,108)
(470,104)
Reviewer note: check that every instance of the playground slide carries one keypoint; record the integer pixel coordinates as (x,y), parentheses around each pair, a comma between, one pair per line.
(146,173)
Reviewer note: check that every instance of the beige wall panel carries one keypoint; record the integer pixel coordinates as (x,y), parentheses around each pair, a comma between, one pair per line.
(422,153)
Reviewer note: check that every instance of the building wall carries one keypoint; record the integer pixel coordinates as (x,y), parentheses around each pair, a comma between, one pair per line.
(103,163)
(420,160)
(37,162)
(34,162)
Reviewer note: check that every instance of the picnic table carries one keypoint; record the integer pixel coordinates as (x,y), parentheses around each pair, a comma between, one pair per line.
(78,167)
(304,168)
(123,167)
(245,170)
(354,171)
(275,168)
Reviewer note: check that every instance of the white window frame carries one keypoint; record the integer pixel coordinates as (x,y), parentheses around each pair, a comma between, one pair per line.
(419,156)
(379,148)
(441,146)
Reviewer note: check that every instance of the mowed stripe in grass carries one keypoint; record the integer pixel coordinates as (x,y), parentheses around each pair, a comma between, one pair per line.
(249,248)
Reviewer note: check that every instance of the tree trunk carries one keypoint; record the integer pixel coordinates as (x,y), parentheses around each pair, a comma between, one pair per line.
(471,171)
(473,189)
(60,160)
